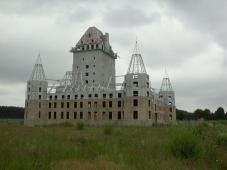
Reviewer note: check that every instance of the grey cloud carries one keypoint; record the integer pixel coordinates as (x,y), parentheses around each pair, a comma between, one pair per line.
(128,16)
(209,16)
(54,26)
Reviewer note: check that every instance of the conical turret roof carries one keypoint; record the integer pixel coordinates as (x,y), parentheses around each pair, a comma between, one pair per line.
(136,64)
(166,84)
(38,71)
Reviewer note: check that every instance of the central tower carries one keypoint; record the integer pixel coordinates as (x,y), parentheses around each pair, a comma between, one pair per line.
(94,60)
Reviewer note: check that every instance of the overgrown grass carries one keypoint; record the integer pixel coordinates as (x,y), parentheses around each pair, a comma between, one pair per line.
(108,130)
(80,125)
(183,146)
(185,143)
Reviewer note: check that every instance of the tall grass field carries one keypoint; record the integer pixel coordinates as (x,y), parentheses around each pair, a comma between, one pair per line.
(187,145)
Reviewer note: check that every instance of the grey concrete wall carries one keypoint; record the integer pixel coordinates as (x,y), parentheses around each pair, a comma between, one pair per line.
(101,67)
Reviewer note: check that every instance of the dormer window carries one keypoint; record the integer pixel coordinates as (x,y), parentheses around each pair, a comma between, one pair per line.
(135,76)
(135,83)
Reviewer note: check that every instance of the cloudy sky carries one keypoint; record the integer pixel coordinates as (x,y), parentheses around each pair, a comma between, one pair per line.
(189,38)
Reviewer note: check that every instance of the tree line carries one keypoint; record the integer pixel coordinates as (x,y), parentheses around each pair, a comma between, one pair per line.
(205,114)
(11,112)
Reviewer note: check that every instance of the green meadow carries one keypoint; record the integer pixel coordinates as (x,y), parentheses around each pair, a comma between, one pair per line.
(186,145)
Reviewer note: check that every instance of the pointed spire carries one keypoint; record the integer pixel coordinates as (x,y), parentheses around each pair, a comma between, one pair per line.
(38,71)
(136,64)
(166,84)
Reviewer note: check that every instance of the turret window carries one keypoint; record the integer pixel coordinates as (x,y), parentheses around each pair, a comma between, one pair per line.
(119,103)
(110,104)
(81,104)
(75,104)
(81,115)
(89,104)
(104,104)
(55,105)
(95,116)
(119,115)
(149,115)
(49,116)
(135,93)
(135,84)
(170,109)
(147,85)
(170,117)
(135,102)
(75,115)
(95,104)
(62,104)
(110,115)
(135,115)
(89,115)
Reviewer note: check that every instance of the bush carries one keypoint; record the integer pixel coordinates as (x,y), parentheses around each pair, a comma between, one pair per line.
(108,130)
(80,125)
(184,144)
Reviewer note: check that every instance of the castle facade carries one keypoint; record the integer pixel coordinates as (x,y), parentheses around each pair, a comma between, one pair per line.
(91,94)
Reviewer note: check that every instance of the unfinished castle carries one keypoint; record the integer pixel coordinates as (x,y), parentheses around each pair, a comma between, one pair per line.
(91,94)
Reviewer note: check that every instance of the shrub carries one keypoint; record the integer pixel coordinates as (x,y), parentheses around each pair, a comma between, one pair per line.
(184,144)
(80,125)
(108,130)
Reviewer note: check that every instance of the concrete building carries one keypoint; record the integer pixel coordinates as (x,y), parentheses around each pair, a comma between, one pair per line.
(90,93)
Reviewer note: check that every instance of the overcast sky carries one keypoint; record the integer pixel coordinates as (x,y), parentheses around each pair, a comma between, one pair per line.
(189,38)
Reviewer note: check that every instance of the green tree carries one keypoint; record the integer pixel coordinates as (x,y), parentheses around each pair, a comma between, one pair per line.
(219,114)
(207,114)
(198,113)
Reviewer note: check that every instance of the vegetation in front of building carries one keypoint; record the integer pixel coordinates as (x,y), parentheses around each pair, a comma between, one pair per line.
(187,145)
